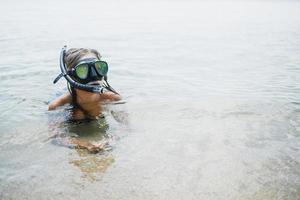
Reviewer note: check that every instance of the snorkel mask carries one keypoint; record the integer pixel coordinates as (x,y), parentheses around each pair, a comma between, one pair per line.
(89,70)
(85,72)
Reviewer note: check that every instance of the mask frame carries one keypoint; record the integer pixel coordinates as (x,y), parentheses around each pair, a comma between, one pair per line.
(93,70)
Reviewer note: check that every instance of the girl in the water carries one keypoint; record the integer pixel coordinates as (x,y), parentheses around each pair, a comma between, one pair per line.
(88,88)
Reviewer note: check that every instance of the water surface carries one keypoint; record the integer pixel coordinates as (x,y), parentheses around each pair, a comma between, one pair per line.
(212,100)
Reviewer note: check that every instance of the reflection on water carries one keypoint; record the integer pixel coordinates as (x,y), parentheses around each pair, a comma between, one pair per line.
(91,166)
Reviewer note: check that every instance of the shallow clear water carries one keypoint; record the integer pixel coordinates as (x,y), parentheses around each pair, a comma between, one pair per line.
(212,100)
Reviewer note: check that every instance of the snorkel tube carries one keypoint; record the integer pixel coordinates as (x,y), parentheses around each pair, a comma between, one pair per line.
(85,87)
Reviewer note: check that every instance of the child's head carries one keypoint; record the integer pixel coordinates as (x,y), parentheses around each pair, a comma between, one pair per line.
(84,70)
(85,66)
(75,55)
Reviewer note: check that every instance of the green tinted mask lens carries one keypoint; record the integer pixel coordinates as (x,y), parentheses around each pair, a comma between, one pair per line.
(82,71)
(101,67)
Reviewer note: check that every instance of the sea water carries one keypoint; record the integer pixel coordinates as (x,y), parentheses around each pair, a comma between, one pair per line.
(211,92)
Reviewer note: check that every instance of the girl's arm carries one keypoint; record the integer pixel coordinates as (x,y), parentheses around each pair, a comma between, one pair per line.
(62,100)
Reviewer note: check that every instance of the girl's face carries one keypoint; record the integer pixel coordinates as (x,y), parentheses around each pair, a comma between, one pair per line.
(84,97)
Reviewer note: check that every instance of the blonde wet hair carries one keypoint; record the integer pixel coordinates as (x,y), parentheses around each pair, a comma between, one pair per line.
(74,55)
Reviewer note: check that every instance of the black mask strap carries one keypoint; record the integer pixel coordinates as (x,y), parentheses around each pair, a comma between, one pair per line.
(108,87)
